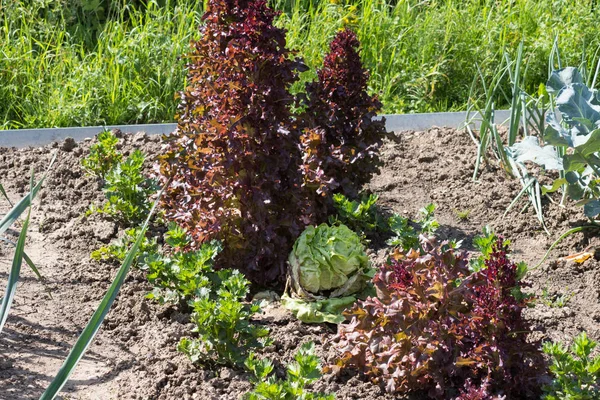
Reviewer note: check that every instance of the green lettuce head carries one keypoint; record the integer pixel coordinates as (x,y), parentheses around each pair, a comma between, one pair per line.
(327,263)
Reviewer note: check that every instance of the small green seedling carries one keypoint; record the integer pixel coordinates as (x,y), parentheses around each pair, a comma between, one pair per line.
(222,322)
(576,375)
(305,370)
(406,236)
(128,191)
(555,300)
(462,215)
(103,156)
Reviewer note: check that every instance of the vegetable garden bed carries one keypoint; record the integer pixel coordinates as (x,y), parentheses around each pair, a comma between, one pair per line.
(135,355)
(262,187)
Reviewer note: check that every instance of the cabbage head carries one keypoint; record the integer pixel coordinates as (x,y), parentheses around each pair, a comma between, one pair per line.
(328,266)
(328,261)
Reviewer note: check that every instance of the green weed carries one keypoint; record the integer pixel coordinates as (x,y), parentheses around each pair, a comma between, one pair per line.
(463,215)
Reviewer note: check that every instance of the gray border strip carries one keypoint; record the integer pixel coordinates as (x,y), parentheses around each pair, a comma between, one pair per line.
(421,122)
(394,122)
(41,137)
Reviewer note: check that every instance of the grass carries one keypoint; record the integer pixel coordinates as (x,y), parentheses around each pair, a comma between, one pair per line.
(55,74)
(61,66)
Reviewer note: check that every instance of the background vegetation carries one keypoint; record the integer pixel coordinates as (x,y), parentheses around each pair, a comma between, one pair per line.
(89,62)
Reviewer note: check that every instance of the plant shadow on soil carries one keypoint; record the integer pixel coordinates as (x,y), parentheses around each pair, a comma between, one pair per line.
(134,355)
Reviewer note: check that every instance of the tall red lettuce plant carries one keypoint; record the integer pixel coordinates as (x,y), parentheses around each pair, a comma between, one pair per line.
(233,159)
(341,139)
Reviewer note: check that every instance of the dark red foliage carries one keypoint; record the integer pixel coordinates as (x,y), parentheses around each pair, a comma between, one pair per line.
(494,337)
(400,277)
(232,160)
(437,328)
(341,140)
(471,392)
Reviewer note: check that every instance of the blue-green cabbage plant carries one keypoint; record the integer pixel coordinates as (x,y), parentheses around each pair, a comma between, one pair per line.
(571,145)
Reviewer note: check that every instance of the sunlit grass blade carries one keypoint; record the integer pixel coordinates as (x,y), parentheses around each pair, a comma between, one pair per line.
(15,270)
(536,195)
(562,237)
(515,108)
(16,211)
(90,331)
(518,196)
(26,258)
(554,61)
(597,70)
(488,132)
(530,185)
(3,192)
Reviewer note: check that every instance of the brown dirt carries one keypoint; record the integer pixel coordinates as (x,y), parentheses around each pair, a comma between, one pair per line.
(134,355)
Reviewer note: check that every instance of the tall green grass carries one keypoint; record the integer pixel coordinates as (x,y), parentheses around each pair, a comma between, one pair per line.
(51,74)
(61,68)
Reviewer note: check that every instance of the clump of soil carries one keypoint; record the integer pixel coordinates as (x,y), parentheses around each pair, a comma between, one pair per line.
(134,355)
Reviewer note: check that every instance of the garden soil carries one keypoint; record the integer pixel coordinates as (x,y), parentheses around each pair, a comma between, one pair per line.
(134,355)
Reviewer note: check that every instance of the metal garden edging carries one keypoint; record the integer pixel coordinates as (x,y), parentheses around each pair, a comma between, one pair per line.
(40,137)
(394,122)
